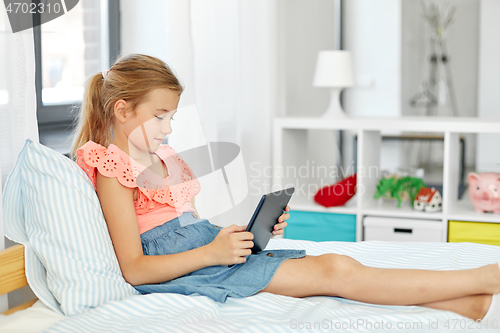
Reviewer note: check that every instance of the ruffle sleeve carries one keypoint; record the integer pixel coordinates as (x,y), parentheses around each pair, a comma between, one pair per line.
(183,183)
(177,189)
(93,157)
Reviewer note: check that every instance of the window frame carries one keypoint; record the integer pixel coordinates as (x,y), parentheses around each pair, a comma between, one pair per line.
(55,116)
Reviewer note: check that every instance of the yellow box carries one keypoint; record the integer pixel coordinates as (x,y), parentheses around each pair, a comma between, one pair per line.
(474,232)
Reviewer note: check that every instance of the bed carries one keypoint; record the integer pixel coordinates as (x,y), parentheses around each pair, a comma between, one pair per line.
(67,258)
(265,312)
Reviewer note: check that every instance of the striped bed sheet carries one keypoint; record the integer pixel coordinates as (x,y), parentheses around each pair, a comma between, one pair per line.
(266,312)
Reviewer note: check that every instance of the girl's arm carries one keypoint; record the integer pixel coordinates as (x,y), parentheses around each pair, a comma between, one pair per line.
(230,246)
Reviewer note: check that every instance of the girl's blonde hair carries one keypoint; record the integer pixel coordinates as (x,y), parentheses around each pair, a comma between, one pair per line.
(131,78)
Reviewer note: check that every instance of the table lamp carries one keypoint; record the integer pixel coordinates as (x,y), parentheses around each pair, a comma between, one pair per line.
(334,70)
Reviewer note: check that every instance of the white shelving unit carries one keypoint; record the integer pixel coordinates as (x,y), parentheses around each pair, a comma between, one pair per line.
(290,151)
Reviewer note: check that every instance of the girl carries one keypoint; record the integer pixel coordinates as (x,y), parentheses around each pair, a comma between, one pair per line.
(146,192)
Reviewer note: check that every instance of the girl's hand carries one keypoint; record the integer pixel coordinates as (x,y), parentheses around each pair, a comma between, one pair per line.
(230,246)
(278,227)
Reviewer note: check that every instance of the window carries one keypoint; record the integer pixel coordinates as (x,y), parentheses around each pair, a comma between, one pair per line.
(68,50)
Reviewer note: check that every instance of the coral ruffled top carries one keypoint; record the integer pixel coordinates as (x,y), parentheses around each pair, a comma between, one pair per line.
(158,199)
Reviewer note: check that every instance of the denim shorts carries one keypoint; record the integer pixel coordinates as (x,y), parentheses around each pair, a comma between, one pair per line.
(188,232)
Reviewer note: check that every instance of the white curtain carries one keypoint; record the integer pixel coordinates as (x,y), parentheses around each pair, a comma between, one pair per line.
(226,54)
(17,103)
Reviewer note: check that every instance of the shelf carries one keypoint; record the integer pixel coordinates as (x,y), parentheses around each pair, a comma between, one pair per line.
(460,211)
(304,204)
(295,143)
(412,124)
(390,208)
(463,210)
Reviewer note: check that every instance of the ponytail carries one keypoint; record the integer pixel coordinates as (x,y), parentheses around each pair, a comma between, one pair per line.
(94,121)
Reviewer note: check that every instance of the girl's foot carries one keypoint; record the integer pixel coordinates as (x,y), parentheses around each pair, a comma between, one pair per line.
(498,277)
(494,311)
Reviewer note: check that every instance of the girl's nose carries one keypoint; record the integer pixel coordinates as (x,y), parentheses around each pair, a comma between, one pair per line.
(166,127)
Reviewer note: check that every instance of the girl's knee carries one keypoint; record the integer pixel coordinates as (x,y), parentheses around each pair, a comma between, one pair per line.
(338,266)
(337,271)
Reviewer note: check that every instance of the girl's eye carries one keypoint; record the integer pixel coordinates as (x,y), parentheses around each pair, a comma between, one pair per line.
(161,118)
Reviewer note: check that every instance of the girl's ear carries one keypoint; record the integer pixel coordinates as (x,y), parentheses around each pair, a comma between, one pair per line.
(120,110)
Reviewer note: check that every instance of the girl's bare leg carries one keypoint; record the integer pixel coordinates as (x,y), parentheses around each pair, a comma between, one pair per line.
(473,306)
(342,276)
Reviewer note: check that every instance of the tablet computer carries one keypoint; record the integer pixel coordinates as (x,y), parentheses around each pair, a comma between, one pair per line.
(266,215)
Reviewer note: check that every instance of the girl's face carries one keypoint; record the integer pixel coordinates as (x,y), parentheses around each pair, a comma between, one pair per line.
(151,124)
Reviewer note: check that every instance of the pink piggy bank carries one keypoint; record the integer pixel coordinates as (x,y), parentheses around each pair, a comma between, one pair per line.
(484,191)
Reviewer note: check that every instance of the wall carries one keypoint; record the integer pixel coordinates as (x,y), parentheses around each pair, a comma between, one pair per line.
(462,45)
(488,155)
(372,32)
(307,27)
(143,28)
(462,49)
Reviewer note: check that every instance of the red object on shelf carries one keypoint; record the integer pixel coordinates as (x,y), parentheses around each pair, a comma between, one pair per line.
(337,194)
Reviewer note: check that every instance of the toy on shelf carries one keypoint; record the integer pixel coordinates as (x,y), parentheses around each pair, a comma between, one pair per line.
(401,189)
(428,199)
(484,191)
(337,194)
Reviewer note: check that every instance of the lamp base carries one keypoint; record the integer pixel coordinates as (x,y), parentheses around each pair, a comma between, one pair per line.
(334,110)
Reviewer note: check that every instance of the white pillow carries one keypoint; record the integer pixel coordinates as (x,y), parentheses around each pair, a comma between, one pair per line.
(50,206)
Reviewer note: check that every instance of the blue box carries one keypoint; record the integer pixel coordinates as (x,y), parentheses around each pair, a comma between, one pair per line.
(319,227)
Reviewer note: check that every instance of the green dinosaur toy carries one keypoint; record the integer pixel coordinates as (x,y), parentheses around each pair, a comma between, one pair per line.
(395,188)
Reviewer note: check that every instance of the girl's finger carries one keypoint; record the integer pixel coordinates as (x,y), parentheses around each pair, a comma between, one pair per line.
(244,235)
(283,217)
(246,245)
(243,227)
(280,226)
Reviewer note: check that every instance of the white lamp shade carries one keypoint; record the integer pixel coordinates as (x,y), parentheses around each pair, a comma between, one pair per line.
(334,69)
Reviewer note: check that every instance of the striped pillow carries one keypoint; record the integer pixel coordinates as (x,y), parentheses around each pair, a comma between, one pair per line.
(51,207)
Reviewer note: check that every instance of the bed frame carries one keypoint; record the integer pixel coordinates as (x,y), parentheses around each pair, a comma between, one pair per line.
(12,274)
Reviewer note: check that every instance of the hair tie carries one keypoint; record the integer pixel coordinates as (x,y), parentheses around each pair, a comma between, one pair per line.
(105,73)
